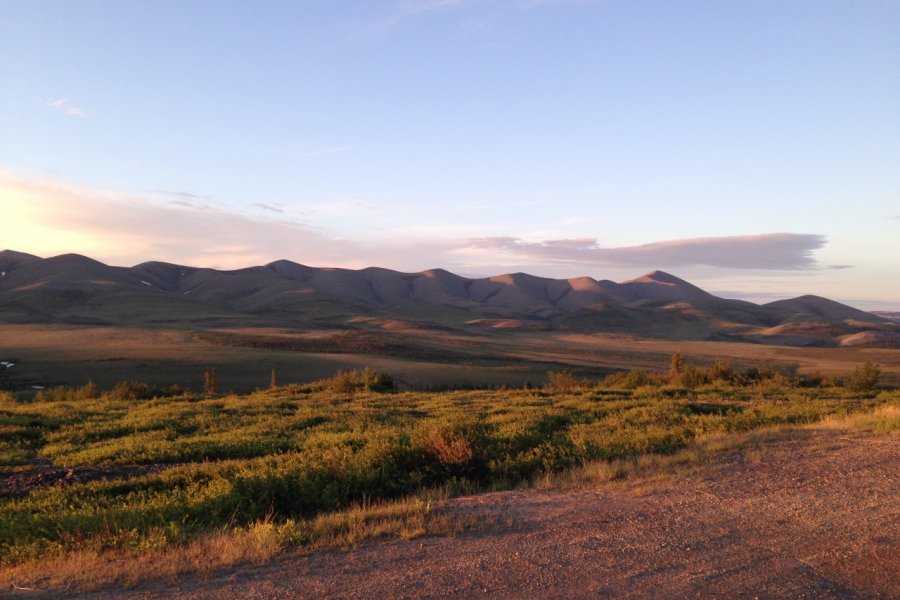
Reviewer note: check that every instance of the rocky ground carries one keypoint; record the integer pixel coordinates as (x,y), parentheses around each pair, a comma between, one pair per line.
(40,473)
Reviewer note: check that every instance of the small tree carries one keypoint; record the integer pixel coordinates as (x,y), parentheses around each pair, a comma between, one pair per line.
(676,364)
(210,384)
(864,377)
(721,371)
(90,391)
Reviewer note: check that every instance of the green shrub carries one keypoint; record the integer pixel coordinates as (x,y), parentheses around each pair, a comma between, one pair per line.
(134,390)
(636,378)
(691,377)
(562,381)
(864,378)
(720,371)
(59,394)
(377,382)
(351,380)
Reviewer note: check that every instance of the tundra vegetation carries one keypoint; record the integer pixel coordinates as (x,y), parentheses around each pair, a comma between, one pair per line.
(343,459)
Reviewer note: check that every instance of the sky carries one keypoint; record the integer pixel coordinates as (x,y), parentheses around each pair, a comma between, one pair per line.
(749,146)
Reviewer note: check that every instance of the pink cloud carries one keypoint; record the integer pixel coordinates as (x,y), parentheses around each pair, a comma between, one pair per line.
(45,217)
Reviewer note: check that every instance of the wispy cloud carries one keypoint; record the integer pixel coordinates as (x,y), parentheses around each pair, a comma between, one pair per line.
(183,196)
(268,207)
(772,251)
(65,106)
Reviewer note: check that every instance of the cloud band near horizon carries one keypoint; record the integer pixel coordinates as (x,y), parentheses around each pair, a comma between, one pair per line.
(768,251)
(48,217)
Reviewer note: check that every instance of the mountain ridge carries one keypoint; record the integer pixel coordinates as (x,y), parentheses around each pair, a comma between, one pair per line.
(76,288)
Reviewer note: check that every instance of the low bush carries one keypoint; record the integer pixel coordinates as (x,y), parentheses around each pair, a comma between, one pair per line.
(89,391)
(562,381)
(864,378)
(353,380)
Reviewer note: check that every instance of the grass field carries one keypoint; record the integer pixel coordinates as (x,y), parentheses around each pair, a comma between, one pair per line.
(71,355)
(48,355)
(294,460)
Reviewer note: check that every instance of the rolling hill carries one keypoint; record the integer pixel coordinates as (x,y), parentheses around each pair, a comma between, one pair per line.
(76,289)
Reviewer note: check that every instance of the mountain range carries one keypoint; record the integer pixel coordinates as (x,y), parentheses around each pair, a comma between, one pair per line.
(76,289)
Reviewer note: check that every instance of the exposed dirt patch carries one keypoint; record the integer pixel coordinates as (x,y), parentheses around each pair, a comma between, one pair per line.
(813,516)
(19,481)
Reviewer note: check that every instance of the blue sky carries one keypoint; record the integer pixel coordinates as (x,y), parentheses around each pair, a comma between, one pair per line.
(749,146)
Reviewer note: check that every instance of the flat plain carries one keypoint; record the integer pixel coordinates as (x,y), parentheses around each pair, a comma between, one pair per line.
(47,355)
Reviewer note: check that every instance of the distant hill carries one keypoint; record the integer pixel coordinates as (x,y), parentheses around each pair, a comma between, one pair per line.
(76,289)
(891,315)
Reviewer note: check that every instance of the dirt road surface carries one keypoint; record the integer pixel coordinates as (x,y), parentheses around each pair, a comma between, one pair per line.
(813,516)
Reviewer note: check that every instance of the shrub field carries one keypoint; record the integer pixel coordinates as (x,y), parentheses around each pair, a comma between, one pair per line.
(201,463)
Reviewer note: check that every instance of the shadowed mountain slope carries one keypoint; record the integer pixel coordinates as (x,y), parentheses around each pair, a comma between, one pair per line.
(76,289)
(812,308)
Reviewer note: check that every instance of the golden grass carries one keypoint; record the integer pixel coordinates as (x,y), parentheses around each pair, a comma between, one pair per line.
(883,420)
(92,569)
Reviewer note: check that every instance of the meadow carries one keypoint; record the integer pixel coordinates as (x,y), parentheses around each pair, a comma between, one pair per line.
(53,355)
(152,470)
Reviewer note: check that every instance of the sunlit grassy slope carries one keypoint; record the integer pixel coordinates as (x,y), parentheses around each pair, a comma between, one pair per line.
(300,451)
